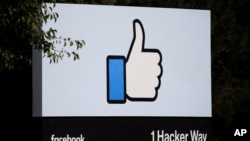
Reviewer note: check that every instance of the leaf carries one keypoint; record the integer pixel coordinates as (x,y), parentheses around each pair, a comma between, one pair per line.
(71,43)
(83,42)
(77,56)
(68,54)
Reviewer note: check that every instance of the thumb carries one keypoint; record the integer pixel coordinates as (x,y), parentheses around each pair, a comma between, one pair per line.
(137,44)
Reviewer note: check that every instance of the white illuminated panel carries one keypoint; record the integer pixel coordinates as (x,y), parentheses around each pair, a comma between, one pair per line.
(79,88)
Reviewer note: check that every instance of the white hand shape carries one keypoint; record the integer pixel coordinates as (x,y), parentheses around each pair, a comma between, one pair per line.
(143,68)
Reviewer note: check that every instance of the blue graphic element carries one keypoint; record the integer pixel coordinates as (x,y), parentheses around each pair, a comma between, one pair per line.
(116,79)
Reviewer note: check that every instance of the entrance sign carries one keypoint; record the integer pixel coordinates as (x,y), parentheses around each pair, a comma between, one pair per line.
(137,61)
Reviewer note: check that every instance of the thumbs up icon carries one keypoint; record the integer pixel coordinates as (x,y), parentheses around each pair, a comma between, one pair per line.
(136,77)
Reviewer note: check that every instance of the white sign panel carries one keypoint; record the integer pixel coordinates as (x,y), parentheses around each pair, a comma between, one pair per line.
(136,62)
